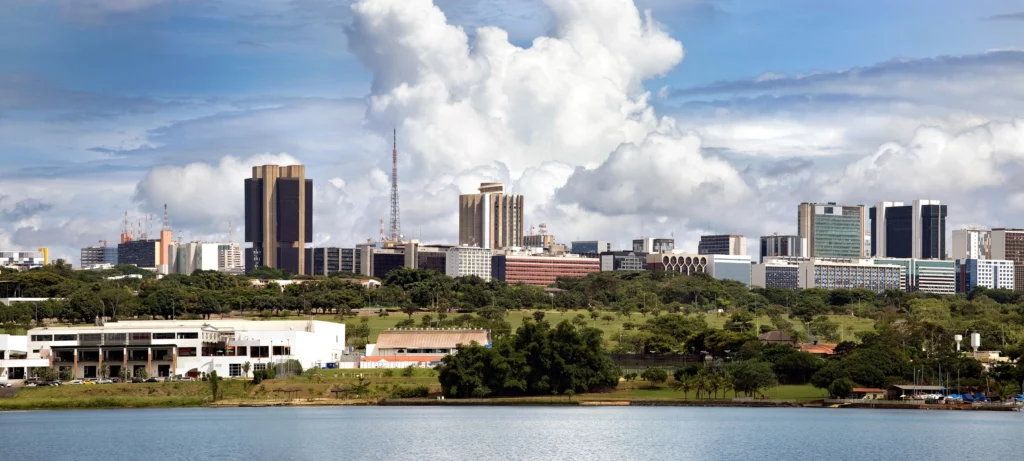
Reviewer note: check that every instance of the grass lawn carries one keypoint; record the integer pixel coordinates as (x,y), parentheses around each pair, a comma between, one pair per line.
(849,325)
(640,390)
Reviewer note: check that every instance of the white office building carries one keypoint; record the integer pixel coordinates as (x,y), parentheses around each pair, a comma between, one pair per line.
(461,261)
(988,273)
(184,347)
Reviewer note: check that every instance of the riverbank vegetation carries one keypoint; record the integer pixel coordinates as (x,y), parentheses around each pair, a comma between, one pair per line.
(886,338)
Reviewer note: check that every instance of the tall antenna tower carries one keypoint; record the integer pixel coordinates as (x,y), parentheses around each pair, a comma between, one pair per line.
(167,219)
(396,225)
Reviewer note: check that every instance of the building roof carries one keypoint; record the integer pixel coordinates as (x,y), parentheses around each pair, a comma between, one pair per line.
(867,390)
(911,387)
(402,358)
(775,336)
(214,324)
(430,339)
(820,348)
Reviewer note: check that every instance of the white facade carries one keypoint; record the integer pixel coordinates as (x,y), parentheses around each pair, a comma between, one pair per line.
(186,347)
(465,260)
(14,361)
(21,259)
(988,273)
(972,243)
(229,257)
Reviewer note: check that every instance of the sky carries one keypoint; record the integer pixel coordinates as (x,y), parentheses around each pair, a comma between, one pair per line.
(614,118)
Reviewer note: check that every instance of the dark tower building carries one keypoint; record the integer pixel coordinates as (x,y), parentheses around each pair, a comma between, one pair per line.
(278,217)
(933,230)
(909,231)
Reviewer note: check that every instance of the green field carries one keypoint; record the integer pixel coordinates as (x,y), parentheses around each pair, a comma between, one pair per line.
(849,325)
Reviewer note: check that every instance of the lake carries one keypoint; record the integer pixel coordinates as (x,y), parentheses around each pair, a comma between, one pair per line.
(510,433)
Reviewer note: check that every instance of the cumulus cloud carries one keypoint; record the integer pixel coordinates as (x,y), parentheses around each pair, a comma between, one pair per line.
(460,104)
(199,195)
(935,161)
(662,176)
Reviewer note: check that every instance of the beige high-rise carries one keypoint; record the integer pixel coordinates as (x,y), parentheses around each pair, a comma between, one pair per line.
(278,217)
(491,218)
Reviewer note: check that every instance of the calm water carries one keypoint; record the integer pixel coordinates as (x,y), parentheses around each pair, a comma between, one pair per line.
(486,433)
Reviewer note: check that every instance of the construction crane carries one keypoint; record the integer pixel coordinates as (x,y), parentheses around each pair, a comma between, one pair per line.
(104,242)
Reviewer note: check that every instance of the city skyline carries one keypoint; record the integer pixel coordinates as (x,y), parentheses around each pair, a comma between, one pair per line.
(683,139)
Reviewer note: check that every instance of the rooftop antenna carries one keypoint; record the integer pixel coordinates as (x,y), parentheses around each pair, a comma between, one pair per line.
(231,231)
(167,218)
(382,237)
(395,224)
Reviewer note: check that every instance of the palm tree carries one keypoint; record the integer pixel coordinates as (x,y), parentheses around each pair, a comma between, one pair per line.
(245,369)
(685,385)
(104,371)
(700,382)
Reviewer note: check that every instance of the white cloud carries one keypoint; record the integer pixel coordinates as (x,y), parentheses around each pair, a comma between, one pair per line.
(200,195)
(936,162)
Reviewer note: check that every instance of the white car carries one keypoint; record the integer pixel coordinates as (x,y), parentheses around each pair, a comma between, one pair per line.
(5,384)
(75,382)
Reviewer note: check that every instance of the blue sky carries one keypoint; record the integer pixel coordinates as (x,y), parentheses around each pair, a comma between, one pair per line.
(96,96)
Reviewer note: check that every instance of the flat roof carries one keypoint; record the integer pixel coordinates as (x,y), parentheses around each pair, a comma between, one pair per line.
(225,324)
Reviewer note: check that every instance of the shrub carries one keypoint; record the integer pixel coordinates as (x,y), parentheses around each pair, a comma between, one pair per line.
(841,388)
(655,376)
(408,371)
(410,392)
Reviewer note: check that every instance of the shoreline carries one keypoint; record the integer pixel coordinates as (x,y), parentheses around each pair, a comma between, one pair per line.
(111,404)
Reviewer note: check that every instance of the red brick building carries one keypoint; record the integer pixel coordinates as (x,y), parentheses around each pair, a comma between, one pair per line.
(541,270)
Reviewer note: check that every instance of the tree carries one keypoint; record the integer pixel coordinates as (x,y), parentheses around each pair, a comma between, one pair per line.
(245,369)
(751,377)
(214,381)
(841,388)
(654,376)
(125,374)
(46,374)
(684,385)
(104,371)
(66,374)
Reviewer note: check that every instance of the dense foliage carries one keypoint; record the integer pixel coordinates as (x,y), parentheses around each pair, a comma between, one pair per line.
(537,360)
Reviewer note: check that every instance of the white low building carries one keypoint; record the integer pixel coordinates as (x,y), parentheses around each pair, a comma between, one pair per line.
(461,261)
(419,347)
(186,347)
(14,361)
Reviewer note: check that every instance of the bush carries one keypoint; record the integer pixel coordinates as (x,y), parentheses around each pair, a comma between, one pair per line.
(408,371)
(841,388)
(655,376)
(410,392)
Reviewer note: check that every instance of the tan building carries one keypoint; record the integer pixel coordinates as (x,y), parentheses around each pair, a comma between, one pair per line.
(278,217)
(1008,244)
(491,218)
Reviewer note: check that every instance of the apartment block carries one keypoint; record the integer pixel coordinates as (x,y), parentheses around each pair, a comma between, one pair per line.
(491,218)
(722,245)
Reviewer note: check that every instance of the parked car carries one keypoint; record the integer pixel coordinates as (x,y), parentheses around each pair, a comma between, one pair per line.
(76,382)
(50,383)
(33,380)
(138,380)
(89,381)
(153,380)
(104,381)
(5,384)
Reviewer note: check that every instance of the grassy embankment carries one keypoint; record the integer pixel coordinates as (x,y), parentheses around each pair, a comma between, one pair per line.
(849,324)
(380,384)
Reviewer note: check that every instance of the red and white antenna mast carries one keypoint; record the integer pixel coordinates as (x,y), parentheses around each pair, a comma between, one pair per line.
(396,226)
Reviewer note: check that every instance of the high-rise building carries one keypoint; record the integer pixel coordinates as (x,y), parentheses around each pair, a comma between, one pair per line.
(141,253)
(539,241)
(924,275)
(972,243)
(591,248)
(915,231)
(377,259)
(783,245)
(988,273)
(831,230)
(91,256)
(877,215)
(830,275)
(278,217)
(229,258)
(491,218)
(654,245)
(323,261)
(462,261)
(722,245)
(627,261)
(1008,244)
